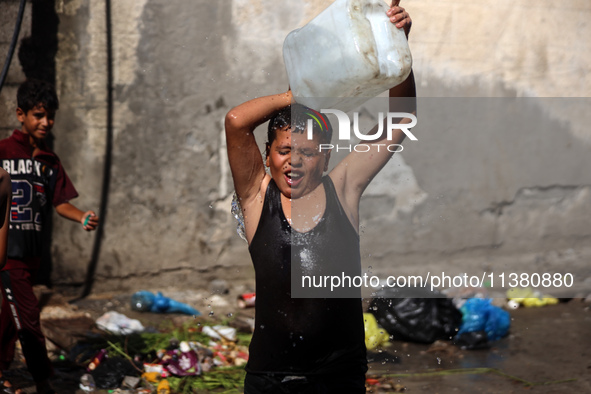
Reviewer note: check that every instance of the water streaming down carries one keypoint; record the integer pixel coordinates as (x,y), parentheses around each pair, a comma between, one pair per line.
(237,213)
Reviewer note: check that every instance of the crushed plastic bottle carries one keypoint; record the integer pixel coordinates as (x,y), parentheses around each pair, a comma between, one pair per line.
(142,301)
(87,383)
(145,301)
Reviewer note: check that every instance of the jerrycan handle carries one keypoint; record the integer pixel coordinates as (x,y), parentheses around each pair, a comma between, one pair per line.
(381,28)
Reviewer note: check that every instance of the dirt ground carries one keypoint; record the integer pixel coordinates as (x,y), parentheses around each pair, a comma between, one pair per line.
(548,349)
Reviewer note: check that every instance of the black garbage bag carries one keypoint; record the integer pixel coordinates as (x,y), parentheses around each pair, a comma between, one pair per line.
(472,340)
(111,371)
(416,314)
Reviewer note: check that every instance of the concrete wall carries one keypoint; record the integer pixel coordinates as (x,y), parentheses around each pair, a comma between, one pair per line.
(8,15)
(465,195)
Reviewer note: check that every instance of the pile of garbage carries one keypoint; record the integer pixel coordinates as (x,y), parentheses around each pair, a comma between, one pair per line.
(129,357)
(206,358)
(468,317)
(196,357)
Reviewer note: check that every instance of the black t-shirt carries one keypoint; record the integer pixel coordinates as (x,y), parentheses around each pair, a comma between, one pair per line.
(305,336)
(38,182)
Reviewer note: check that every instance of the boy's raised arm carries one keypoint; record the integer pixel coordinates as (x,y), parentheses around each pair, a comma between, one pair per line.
(358,169)
(245,158)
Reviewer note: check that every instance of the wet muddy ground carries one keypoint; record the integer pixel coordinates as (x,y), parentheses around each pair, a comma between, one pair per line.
(548,349)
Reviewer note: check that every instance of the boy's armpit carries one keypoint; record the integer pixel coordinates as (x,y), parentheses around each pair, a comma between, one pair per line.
(253,208)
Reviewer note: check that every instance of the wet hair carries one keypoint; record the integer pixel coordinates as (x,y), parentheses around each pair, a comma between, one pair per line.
(34,92)
(296,116)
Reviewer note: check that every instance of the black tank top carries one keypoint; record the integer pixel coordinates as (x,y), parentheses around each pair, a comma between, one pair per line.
(305,336)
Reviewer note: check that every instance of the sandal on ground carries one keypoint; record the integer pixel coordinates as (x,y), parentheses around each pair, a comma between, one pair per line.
(8,389)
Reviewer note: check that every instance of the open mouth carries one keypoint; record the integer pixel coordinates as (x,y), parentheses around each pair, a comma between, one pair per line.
(293,178)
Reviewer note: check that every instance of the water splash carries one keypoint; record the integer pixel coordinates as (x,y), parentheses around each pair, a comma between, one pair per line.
(237,213)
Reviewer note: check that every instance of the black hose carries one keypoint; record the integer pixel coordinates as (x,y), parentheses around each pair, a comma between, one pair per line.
(89,281)
(17,29)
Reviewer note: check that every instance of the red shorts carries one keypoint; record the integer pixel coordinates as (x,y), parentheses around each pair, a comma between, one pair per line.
(19,319)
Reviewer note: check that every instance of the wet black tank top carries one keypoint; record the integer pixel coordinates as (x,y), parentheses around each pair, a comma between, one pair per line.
(305,336)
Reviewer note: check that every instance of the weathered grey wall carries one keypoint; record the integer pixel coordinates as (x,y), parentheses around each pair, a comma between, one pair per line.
(457,196)
(8,14)
(500,190)
(179,67)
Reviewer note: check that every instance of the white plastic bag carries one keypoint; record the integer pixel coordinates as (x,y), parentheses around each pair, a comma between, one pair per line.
(118,323)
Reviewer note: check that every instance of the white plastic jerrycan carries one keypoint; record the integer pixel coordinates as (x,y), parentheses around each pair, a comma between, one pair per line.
(347,54)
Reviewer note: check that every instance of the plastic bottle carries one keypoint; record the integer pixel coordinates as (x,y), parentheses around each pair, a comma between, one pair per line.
(87,383)
(145,301)
(96,360)
(347,54)
(142,301)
